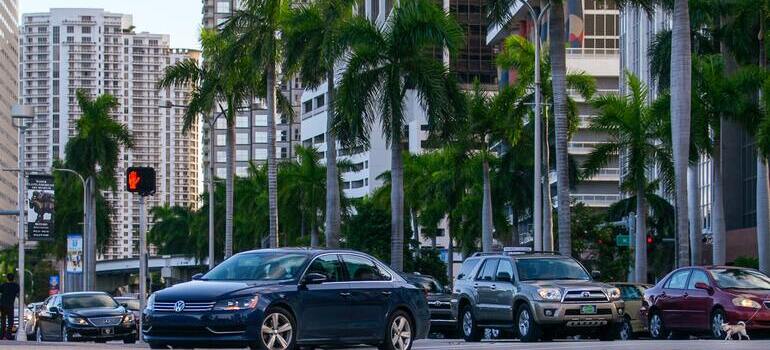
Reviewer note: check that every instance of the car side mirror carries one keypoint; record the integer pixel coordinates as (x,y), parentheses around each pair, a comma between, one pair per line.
(504,277)
(596,274)
(448,290)
(314,278)
(124,305)
(706,287)
(197,277)
(54,310)
(460,276)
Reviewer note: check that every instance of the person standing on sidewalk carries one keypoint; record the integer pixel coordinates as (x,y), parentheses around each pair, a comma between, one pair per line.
(8,293)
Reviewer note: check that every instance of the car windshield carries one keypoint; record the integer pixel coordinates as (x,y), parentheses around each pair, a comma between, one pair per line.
(425,283)
(261,266)
(88,301)
(740,279)
(550,269)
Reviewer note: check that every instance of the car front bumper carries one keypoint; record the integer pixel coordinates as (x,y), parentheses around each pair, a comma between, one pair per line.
(75,333)
(202,329)
(755,320)
(569,315)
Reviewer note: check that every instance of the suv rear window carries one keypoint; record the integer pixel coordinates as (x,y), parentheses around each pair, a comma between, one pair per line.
(467,268)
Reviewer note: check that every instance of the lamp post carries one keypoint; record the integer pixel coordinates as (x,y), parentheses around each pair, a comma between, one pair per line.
(85,210)
(21,115)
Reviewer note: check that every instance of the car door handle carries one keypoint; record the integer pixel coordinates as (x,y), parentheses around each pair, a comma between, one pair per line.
(685,295)
(476,286)
(493,287)
(345,294)
(385,292)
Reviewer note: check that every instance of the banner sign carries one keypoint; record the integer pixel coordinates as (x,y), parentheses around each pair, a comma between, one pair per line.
(40,207)
(74,253)
(53,284)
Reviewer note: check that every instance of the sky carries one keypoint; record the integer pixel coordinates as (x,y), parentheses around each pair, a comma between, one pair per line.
(181,19)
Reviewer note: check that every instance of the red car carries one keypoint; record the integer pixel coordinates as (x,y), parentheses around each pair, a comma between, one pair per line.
(699,299)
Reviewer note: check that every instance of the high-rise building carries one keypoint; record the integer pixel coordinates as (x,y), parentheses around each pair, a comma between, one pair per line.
(71,49)
(592,48)
(9,73)
(251,123)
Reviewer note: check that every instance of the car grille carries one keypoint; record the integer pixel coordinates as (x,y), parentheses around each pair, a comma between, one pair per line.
(106,321)
(188,307)
(443,305)
(577,296)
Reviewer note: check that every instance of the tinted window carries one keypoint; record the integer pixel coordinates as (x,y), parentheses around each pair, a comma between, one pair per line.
(678,280)
(132,304)
(505,267)
(362,269)
(263,266)
(630,293)
(88,301)
(327,265)
(550,269)
(467,268)
(487,272)
(740,279)
(697,276)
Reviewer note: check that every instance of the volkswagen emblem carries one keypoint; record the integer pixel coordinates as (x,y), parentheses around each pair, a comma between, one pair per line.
(586,294)
(179,306)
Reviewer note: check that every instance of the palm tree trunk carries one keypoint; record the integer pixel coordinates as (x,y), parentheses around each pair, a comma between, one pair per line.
(272,171)
(547,210)
(332,172)
(515,241)
(450,251)
(396,200)
(91,234)
(230,181)
(763,215)
(640,239)
(681,84)
(696,217)
(486,210)
(719,251)
(415,230)
(212,149)
(559,82)
(314,239)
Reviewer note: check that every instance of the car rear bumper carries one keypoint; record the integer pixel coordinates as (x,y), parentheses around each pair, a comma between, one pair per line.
(569,315)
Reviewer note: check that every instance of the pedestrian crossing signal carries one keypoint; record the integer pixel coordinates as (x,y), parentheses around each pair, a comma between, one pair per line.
(140,180)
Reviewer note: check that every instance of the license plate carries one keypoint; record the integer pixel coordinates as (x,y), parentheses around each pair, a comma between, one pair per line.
(108,331)
(588,309)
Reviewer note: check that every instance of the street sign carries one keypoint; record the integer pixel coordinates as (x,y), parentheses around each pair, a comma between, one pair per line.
(40,207)
(623,240)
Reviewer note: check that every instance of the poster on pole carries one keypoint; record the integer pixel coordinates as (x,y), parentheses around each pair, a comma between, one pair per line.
(53,284)
(40,207)
(74,253)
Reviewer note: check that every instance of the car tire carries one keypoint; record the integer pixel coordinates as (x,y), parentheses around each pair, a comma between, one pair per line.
(39,335)
(528,329)
(469,329)
(129,340)
(283,325)
(715,321)
(399,333)
(625,331)
(657,328)
(65,338)
(157,346)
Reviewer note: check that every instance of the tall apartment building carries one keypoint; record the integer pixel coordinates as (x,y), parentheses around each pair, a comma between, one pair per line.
(592,48)
(638,31)
(9,73)
(65,50)
(251,123)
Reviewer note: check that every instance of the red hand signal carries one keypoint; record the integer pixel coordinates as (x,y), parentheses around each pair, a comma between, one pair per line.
(133,180)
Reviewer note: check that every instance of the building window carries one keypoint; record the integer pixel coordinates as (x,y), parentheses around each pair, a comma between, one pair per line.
(242,122)
(221,156)
(241,171)
(242,155)
(260,120)
(221,140)
(222,173)
(260,137)
(260,154)
(320,101)
(223,6)
(221,123)
(241,138)
(308,106)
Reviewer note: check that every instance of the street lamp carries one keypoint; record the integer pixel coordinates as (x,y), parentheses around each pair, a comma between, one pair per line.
(21,115)
(85,211)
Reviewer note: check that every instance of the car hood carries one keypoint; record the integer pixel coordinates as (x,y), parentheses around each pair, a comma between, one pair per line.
(569,284)
(439,297)
(98,312)
(213,290)
(751,293)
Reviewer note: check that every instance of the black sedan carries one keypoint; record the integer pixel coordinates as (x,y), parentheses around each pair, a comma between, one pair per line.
(439,302)
(279,299)
(84,316)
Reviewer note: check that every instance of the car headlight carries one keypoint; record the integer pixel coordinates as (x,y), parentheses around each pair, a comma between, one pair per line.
(150,302)
(613,293)
(549,293)
(77,320)
(128,318)
(236,304)
(746,302)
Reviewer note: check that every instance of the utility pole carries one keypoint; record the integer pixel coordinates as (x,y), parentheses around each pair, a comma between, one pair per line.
(23,114)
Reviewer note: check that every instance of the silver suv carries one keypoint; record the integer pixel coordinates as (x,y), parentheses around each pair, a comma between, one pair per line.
(536,295)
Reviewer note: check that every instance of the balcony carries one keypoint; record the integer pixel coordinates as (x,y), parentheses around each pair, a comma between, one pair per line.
(596,200)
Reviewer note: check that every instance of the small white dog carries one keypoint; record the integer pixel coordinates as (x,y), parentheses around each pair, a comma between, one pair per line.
(739,329)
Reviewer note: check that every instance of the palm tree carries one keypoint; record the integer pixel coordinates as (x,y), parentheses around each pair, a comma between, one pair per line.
(387,61)
(313,46)
(93,152)
(214,82)
(256,30)
(635,128)
(304,186)
(171,231)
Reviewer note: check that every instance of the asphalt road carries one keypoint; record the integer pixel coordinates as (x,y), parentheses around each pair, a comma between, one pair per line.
(439,344)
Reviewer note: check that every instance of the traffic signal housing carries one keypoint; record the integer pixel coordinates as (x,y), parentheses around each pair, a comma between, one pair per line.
(140,180)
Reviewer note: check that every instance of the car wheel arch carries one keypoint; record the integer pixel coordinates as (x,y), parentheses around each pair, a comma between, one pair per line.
(284,306)
(465,301)
(517,303)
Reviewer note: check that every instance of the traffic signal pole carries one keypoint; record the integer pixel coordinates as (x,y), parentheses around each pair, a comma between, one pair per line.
(142,261)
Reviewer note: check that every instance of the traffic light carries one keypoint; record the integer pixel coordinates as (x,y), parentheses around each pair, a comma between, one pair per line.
(650,239)
(140,180)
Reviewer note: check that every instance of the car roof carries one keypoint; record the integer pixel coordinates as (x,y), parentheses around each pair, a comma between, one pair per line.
(74,294)
(303,250)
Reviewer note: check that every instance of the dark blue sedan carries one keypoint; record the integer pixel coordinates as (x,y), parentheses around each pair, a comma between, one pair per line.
(279,299)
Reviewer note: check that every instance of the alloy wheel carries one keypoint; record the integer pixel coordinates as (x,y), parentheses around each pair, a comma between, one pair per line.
(716,324)
(400,333)
(656,326)
(64,335)
(38,335)
(467,323)
(524,322)
(277,331)
(625,330)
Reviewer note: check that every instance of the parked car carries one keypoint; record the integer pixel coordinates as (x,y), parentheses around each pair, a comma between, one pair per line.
(84,316)
(132,304)
(632,295)
(439,297)
(539,295)
(697,300)
(280,299)
(30,319)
